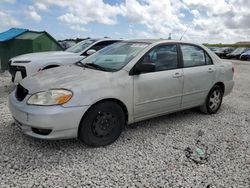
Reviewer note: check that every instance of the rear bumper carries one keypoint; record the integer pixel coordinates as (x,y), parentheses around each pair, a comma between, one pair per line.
(228,87)
(63,122)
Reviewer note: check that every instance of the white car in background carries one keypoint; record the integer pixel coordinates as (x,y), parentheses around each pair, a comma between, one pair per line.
(29,64)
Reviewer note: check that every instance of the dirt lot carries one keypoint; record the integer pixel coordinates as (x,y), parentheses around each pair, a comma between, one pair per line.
(185,149)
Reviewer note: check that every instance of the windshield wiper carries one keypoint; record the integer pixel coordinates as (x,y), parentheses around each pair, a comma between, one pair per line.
(80,64)
(87,65)
(93,65)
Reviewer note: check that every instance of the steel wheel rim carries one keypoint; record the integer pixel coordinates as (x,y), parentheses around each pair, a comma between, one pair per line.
(103,124)
(215,100)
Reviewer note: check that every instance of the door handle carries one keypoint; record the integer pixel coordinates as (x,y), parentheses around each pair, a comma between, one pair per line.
(177,75)
(210,70)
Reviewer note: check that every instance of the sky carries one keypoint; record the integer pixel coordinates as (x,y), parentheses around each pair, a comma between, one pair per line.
(205,21)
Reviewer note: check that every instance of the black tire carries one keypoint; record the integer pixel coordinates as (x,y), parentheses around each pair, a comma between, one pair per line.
(216,95)
(102,124)
(243,59)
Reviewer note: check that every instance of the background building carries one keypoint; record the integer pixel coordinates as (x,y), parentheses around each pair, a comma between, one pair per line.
(17,41)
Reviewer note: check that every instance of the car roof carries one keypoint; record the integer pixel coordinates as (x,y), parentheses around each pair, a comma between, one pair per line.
(104,39)
(159,41)
(150,41)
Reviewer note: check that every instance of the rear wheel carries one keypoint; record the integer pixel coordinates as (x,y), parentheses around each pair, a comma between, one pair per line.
(213,101)
(102,124)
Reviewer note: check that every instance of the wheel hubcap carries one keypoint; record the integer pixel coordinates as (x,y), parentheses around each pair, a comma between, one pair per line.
(215,100)
(103,124)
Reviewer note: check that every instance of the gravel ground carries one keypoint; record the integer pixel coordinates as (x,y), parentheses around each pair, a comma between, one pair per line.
(185,149)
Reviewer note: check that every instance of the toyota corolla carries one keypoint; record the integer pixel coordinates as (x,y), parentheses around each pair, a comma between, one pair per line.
(121,84)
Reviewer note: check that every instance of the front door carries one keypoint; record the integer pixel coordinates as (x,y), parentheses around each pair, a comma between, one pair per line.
(158,92)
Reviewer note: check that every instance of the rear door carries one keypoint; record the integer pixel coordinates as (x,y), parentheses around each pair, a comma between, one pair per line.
(158,92)
(199,75)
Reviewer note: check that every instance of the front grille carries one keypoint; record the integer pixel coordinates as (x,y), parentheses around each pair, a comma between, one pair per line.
(21,92)
(14,69)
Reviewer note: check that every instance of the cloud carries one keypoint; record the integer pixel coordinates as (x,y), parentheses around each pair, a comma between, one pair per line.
(212,7)
(78,13)
(7,20)
(207,21)
(160,17)
(196,13)
(78,28)
(32,14)
(41,6)
(8,1)
(225,22)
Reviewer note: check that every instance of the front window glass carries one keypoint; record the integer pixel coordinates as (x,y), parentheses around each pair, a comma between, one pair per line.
(115,56)
(81,46)
(164,57)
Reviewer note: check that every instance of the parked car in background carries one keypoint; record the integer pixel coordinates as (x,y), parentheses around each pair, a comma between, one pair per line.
(236,53)
(222,52)
(29,64)
(245,55)
(123,83)
(214,49)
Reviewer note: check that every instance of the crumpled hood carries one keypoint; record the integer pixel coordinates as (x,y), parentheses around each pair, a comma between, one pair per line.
(44,55)
(66,77)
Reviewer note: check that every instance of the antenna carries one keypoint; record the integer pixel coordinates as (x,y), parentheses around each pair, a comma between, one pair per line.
(184,32)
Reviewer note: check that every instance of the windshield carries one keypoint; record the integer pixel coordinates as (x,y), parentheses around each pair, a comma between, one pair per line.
(224,49)
(247,52)
(239,50)
(115,56)
(81,46)
(214,49)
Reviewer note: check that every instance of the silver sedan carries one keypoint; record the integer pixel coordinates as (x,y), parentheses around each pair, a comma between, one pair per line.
(121,84)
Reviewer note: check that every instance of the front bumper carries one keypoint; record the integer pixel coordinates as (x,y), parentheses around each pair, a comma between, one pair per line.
(62,121)
(17,73)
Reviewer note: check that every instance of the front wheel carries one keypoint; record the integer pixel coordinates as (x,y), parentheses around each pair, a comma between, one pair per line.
(213,101)
(102,124)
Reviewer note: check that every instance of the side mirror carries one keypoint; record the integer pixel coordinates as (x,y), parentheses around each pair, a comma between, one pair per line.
(143,68)
(90,52)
